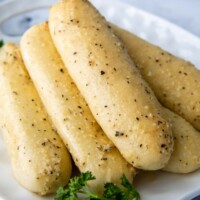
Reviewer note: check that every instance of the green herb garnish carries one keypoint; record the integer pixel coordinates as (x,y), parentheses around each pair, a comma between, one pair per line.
(1,43)
(78,187)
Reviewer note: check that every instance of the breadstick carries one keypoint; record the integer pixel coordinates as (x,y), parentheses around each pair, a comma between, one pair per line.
(120,100)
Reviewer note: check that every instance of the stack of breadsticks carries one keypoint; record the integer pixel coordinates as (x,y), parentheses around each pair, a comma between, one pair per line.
(102,92)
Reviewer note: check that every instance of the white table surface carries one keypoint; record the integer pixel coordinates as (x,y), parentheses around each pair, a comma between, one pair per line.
(184,13)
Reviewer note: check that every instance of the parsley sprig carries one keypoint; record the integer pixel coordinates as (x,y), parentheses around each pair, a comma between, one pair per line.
(1,43)
(78,187)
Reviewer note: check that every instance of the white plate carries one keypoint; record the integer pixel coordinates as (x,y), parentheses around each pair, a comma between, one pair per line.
(152,185)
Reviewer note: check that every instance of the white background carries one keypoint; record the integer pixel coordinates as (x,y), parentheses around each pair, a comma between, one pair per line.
(185,13)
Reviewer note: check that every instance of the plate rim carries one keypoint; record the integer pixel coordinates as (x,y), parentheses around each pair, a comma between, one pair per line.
(157,18)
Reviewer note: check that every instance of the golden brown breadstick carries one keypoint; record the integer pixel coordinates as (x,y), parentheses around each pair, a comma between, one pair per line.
(88,144)
(175,81)
(120,100)
(40,160)
(186,155)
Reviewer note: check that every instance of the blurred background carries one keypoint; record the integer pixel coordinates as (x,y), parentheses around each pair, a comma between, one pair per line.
(184,13)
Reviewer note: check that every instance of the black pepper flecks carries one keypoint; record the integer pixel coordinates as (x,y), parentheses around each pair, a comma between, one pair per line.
(102,72)
(119,133)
